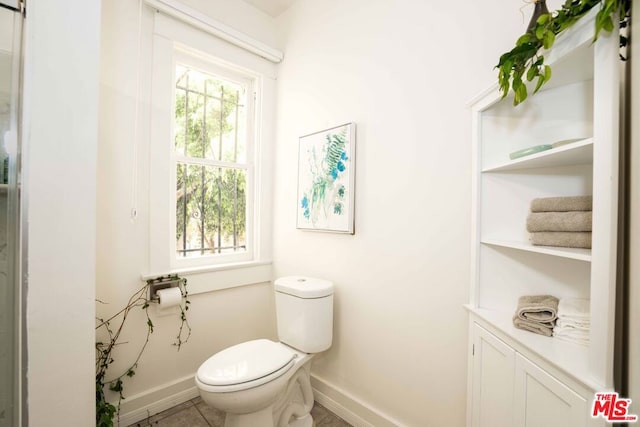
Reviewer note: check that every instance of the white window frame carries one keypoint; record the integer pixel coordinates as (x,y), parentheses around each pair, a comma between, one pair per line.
(170,41)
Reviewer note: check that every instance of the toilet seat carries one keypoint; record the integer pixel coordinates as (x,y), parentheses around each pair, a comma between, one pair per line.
(245,366)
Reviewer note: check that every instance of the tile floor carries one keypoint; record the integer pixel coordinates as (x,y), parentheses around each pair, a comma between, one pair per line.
(195,413)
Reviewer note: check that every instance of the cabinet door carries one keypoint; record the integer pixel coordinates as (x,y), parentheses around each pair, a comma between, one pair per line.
(543,401)
(493,374)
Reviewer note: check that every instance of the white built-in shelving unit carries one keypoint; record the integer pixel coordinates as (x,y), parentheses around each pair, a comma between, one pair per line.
(581,104)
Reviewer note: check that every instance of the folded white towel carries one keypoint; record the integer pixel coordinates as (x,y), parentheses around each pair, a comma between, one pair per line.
(576,318)
(570,334)
(584,342)
(576,324)
(570,331)
(574,308)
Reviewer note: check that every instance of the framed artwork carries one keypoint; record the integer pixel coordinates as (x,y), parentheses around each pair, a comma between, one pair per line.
(326,180)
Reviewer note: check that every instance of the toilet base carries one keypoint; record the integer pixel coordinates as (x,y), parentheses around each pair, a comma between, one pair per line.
(293,408)
(259,418)
(306,421)
(264,418)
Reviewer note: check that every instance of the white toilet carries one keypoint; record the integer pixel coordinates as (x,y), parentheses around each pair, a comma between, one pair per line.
(262,383)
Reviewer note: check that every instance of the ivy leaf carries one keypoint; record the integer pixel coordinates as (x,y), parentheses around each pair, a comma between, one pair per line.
(117,386)
(548,39)
(504,87)
(522,92)
(517,82)
(508,65)
(543,19)
(547,73)
(531,73)
(525,38)
(502,59)
(539,84)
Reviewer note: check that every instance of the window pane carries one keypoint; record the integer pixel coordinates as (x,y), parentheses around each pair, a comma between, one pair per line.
(180,121)
(212,112)
(181,76)
(195,125)
(210,210)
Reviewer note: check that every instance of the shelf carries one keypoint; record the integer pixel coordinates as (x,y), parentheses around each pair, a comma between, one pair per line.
(571,358)
(571,253)
(576,153)
(580,101)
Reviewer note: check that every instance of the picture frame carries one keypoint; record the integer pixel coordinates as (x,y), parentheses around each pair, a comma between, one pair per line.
(326,180)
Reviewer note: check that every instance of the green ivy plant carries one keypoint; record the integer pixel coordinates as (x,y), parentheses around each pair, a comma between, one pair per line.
(112,327)
(526,59)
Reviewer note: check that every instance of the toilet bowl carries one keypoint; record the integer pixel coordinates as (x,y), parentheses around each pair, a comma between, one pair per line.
(263,383)
(247,380)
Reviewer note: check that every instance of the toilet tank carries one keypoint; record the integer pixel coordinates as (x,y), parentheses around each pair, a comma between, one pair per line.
(304,310)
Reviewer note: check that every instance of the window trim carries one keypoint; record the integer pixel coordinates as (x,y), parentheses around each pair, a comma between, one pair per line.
(197,61)
(165,35)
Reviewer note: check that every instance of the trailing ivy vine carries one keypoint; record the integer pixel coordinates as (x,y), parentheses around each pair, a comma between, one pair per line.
(112,328)
(526,59)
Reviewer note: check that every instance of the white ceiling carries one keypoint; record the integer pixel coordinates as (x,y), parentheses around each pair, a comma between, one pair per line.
(271,7)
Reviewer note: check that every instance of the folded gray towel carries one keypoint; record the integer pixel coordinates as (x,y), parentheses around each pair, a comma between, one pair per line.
(535,327)
(542,309)
(578,239)
(559,221)
(562,204)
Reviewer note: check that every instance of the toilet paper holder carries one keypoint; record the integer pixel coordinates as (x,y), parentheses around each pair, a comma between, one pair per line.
(162,282)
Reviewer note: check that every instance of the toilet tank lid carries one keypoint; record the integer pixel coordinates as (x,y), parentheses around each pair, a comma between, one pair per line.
(304,287)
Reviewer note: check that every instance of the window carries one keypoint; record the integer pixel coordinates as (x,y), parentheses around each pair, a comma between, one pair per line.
(212,161)
(211,115)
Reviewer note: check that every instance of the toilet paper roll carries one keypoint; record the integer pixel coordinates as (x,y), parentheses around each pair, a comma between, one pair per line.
(169,297)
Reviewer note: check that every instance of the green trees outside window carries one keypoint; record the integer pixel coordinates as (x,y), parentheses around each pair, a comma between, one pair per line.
(210,132)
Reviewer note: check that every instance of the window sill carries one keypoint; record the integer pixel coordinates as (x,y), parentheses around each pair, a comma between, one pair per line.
(218,277)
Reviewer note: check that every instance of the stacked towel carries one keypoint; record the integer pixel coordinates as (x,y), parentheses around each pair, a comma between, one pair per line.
(562,204)
(561,221)
(573,322)
(536,313)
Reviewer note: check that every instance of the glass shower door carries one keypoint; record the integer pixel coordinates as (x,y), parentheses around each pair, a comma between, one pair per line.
(10,306)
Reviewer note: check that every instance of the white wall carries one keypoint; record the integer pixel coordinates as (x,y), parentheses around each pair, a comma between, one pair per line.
(60,137)
(219,319)
(403,71)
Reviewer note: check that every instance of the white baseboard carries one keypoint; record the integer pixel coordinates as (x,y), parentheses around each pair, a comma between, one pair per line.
(139,407)
(347,407)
